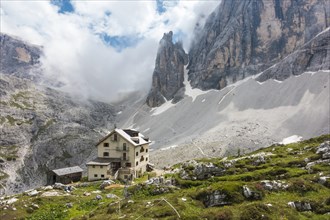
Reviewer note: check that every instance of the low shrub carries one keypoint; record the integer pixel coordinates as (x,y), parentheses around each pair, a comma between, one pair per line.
(319,207)
(255,211)
(301,186)
(187,183)
(223,214)
(297,163)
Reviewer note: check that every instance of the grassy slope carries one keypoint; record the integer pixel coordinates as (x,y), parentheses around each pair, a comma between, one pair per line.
(286,165)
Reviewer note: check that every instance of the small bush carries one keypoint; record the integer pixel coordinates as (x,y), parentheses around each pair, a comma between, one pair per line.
(188,183)
(297,163)
(315,157)
(223,214)
(255,212)
(327,201)
(276,172)
(152,174)
(301,186)
(319,208)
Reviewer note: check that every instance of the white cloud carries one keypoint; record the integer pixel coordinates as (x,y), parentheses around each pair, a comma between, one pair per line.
(74,54)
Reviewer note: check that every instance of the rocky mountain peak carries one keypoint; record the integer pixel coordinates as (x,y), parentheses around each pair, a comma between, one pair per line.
(168,75)
(19,58)
(168,37)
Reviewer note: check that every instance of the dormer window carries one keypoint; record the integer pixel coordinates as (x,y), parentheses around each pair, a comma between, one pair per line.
(105,144)
(115,138)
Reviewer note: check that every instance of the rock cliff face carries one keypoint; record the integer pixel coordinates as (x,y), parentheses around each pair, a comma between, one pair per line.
(44,129)
(19,58)
(313,56)
(41,128)
(242,38)
(168,76)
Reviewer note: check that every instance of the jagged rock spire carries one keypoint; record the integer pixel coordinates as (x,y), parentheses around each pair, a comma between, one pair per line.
(168,75)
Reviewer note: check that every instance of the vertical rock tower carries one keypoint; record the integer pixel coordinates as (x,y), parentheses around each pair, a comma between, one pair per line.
(168,75)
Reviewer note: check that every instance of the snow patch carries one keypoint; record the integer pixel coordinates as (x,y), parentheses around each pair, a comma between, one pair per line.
(278,81)
(203,100)
(170,147)
(118,113)
(291,139)
(189,91)
(313,72)
(164,107)
(146,130)
(224,96)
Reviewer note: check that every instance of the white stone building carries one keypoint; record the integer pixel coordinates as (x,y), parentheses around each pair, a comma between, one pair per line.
(122,154)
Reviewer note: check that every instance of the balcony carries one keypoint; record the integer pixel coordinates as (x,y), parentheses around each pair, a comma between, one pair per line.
(122,149)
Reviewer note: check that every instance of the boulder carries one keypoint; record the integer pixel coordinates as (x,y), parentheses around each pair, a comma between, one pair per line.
(59,186)
(324,150)
(46,188)
(33,193)
(111,196)
(252,195)
(216,198)
(323,179)
(34,206)
(11,201)
(106,183)
(300,206)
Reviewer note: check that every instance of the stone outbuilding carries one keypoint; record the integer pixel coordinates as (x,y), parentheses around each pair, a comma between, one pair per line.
(67,175)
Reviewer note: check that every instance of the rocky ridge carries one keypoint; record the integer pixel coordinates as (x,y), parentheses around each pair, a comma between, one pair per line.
(45,129)
(310,57)
(242,38)
(41,128)
(168,76)
(19,58)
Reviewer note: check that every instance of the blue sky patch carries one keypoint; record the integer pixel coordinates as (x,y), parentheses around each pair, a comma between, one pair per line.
(65,6)
(107,13)
(178,36)
(160,6)
(163,5)
(120,42)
